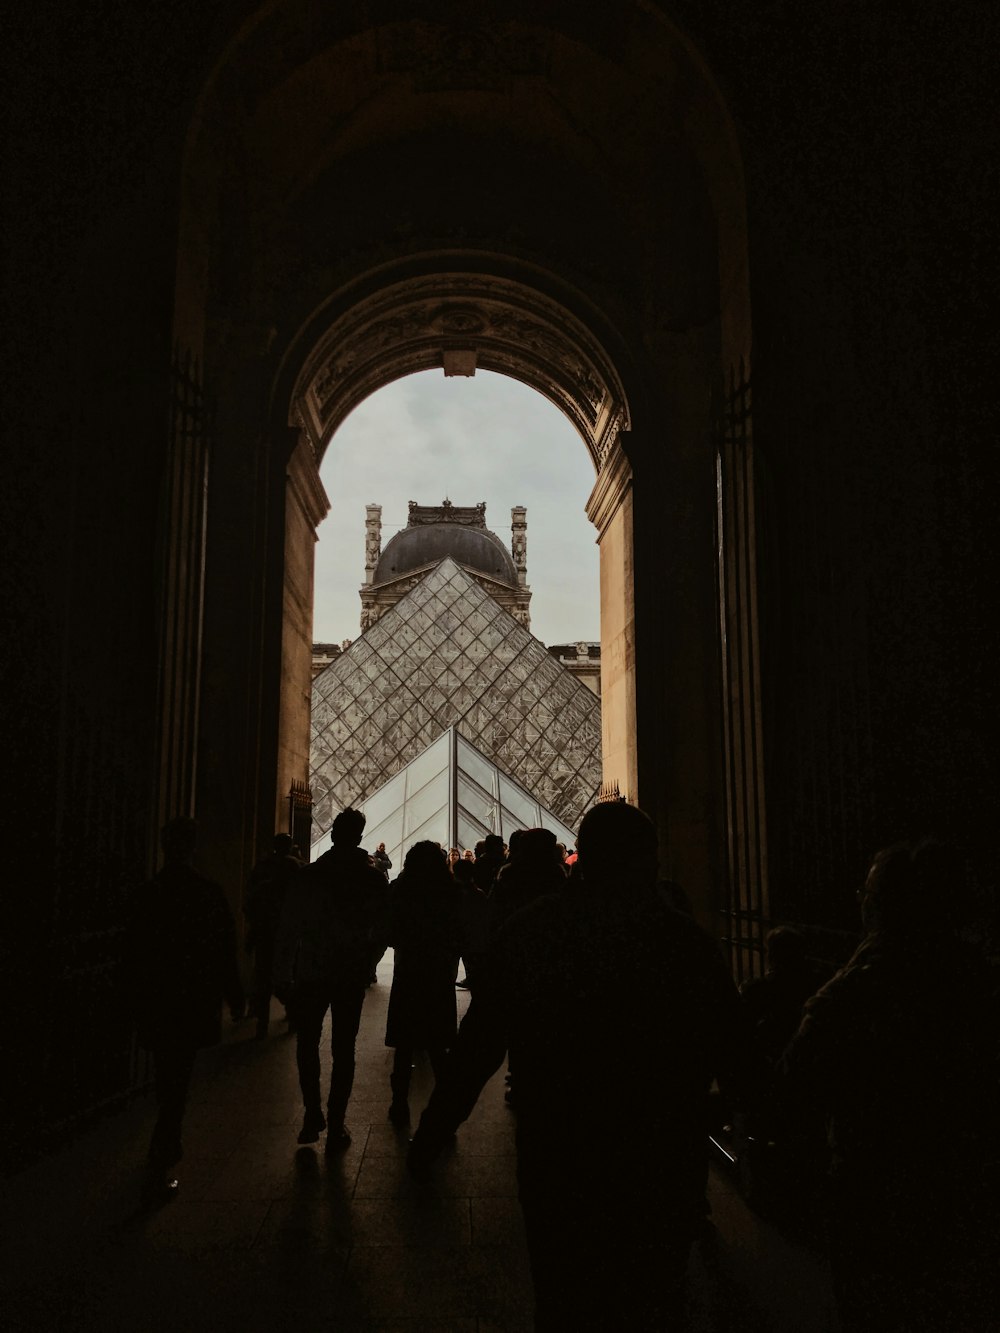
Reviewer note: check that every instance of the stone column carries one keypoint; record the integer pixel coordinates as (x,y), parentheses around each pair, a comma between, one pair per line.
(306,505)
(610,510)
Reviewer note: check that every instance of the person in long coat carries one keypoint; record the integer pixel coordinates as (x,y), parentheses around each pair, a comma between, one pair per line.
(425,934)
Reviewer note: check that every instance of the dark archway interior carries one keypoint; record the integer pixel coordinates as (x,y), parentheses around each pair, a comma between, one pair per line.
(196,197)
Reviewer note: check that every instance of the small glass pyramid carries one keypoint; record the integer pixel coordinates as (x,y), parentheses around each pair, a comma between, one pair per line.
(451,794)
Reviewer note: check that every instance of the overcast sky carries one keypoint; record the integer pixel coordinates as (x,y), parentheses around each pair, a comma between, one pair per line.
(486,438)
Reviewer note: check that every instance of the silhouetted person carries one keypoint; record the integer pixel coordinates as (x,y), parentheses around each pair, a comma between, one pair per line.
(181,965)
(473,913)
(899,1049)
(488,864)
(533,868)
(772,1004)
(266,889)
(323,961)
(425,934)
(613,1079)
(782,1157)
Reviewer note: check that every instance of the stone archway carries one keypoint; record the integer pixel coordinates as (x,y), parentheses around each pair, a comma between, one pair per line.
(583,174)
(459,322)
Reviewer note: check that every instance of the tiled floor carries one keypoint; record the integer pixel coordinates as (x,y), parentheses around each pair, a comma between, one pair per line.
(265,1235)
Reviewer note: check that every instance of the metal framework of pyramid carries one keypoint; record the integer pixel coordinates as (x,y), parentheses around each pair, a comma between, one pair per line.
(453,795)
(447,655)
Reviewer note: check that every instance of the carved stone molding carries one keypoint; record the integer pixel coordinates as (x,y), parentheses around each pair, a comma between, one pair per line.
(503,325)
(613,483)
(304,483)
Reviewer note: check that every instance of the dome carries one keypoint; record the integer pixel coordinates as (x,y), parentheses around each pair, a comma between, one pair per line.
(474,548)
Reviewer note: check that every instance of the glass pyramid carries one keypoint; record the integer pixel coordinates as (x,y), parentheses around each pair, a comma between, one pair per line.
(447,655)
(453,795)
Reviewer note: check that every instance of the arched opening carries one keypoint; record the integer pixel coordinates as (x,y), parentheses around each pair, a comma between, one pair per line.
(545,202)
(458,323)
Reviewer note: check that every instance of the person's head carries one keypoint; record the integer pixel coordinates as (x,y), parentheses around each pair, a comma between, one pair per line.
(348,828)
(899,896)
(427,862)
(468,854)
(617,844)
(537,847)
(786,949)
(381,847)
(282,844)
(178,839)
(493,846)
(454,855)
(464,871)
(480,848)
(512,843)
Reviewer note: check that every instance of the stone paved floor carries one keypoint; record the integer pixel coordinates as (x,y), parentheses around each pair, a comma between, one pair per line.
(265,1235)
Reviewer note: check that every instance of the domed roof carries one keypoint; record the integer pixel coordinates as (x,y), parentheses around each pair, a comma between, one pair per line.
(476,549)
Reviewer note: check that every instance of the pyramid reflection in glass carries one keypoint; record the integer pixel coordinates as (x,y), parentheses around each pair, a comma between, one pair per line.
(447,655)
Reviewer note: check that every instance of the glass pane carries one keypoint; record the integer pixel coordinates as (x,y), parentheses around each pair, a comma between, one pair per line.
(480,804)
(433,699)
(424,803)
(564,835)
(388,797)
(470,831)
(510,823)
(433,761)
(472,762)
(523,806)
(448,650)
(435,829)
(389,831)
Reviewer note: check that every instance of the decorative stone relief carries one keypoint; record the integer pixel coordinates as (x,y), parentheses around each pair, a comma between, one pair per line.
(506,327)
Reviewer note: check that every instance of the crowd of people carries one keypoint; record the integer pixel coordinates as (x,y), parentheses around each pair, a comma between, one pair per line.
(620,1023)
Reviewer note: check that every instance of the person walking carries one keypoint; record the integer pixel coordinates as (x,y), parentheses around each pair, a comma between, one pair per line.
(329,924)
(267,888)
(426,937)
(601,983)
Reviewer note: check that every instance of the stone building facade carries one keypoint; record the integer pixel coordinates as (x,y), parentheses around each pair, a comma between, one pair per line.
(431,533)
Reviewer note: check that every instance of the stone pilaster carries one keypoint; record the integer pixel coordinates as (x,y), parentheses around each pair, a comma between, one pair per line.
(519,543)
(519,551)
(373,540)
(610,509)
